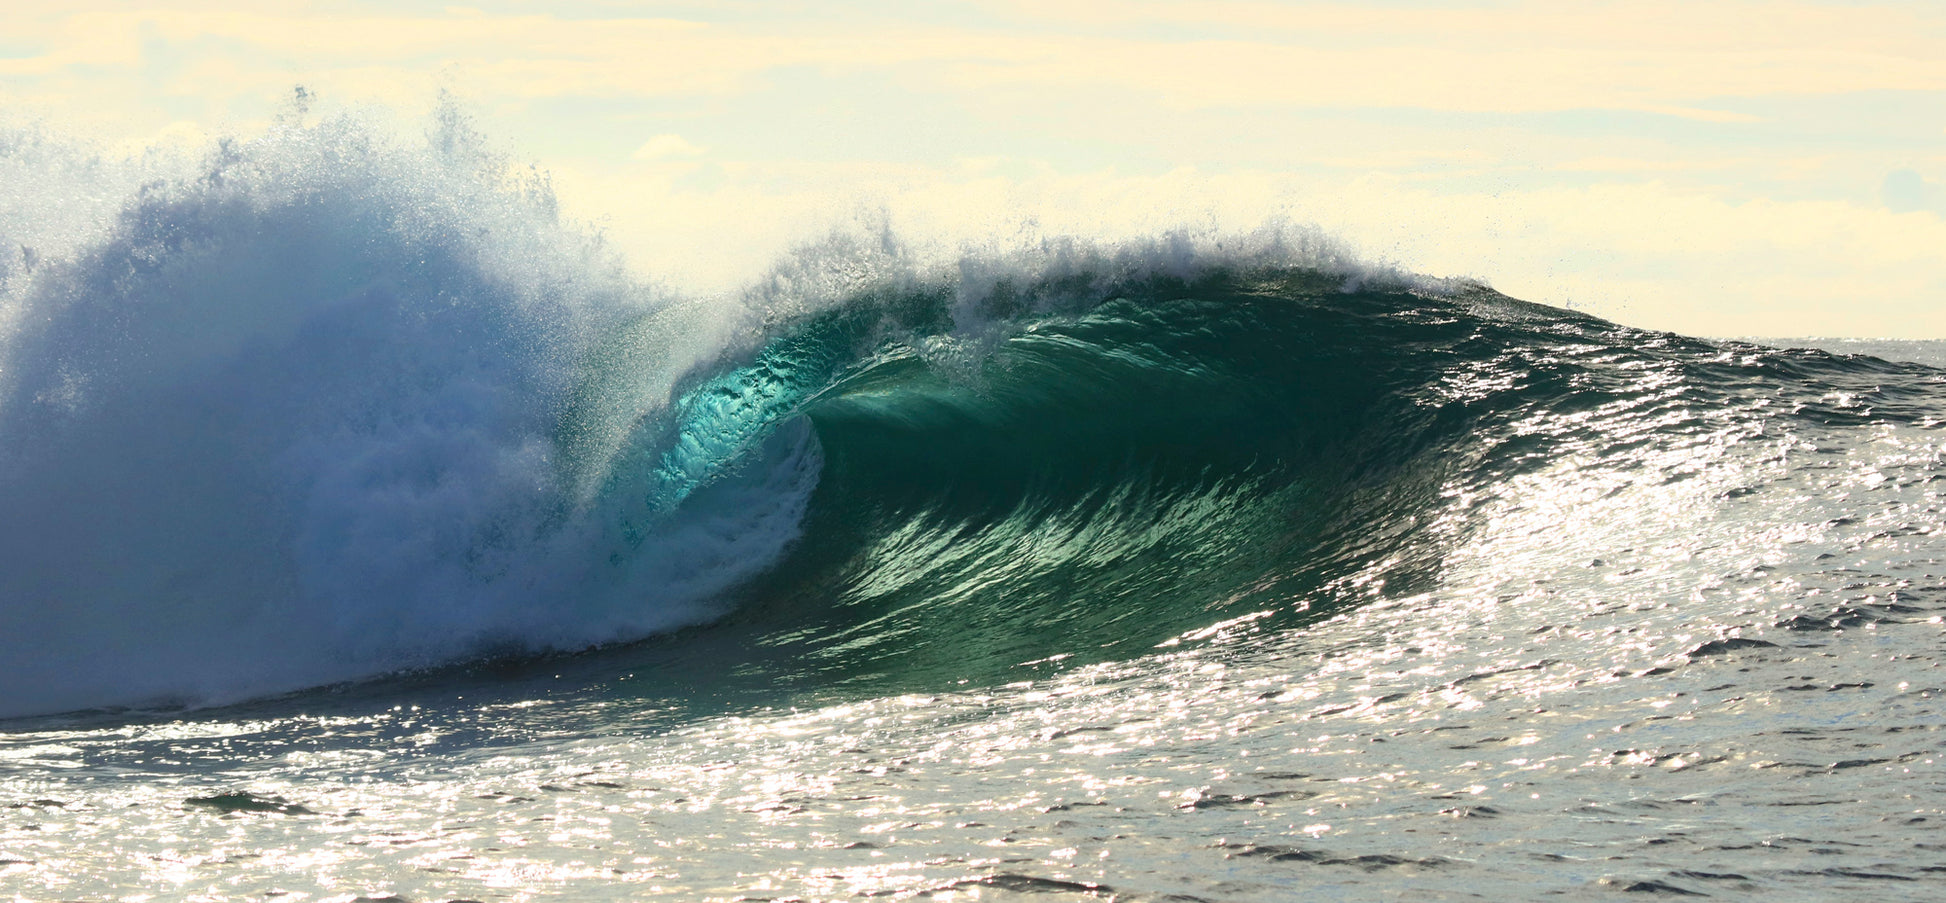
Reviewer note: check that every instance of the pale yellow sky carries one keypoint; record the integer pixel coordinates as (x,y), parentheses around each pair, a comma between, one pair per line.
(1717,168)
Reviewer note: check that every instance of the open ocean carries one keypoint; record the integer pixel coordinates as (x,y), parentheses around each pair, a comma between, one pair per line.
(367,533)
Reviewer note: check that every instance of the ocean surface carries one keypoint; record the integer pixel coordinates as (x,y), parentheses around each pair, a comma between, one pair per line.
(367,532)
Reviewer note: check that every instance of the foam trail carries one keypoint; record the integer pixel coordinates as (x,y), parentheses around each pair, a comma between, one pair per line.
(294,415)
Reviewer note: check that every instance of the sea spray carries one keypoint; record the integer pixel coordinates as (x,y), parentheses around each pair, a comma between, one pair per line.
(291,416)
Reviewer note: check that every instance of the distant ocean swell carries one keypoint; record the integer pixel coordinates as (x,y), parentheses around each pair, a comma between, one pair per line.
(320,407)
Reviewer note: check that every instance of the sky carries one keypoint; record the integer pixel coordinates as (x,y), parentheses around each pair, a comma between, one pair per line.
(1712,168)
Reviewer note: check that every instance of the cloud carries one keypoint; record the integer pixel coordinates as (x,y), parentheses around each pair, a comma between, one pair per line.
(1523,57)
(1906,191)
(663,147)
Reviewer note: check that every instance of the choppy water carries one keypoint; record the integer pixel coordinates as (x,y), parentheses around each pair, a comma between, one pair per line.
(1197,569)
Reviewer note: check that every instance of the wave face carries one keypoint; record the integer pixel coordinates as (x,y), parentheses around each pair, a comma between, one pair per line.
(1155,455)
(321,407)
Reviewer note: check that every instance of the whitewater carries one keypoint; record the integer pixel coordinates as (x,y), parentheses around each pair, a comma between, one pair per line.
(370,531)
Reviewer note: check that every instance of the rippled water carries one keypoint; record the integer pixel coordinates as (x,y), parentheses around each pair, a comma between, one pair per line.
(1713,671)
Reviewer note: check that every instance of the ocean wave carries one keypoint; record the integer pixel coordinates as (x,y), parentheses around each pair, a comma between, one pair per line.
(323,406)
